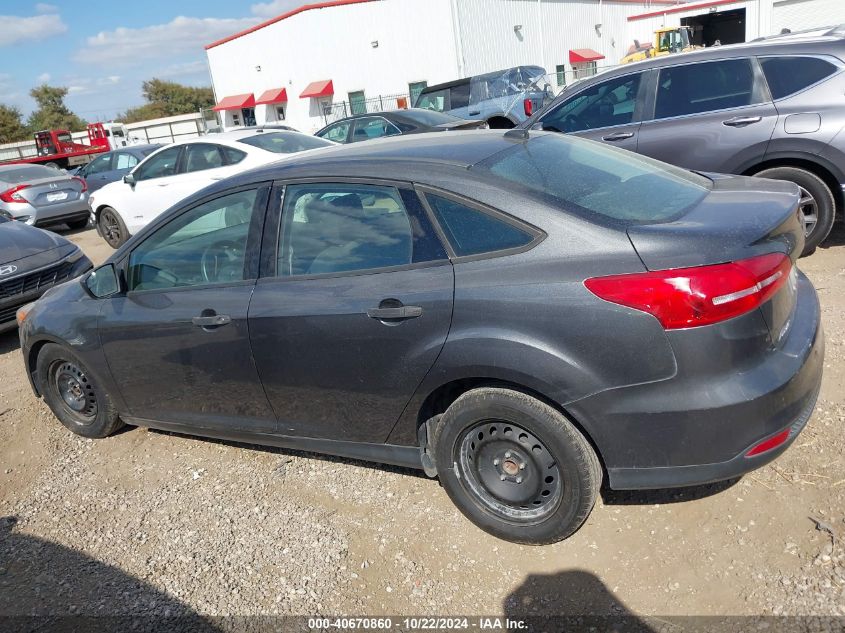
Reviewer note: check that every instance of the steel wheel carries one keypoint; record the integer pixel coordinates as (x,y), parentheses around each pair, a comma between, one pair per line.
(110,228)
(810,210)
(75,390)
(510,471)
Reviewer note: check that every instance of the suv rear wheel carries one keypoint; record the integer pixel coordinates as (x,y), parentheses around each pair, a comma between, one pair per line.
(515,466)
(817,203)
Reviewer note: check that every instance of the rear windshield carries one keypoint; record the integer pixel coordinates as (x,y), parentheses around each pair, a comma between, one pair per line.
(430,117)
(591,176)
(285,142)
(29,172)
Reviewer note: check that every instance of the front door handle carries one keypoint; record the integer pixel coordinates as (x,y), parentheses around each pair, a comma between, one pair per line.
(618,136)
(213,320)
(403,312)
(741,121)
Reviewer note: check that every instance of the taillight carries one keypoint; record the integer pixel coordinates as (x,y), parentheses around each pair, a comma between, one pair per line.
(13,195)
(690,297)
(528,106)
(82,182)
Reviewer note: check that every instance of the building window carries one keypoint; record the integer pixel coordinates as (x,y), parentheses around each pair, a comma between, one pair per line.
(249,116)
(236,119)
(358,102)
(414,90)
(280,113)
(561,75)
(587,69)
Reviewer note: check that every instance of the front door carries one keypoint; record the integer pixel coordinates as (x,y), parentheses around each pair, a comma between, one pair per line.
(710,116)
(354,312)
(178,338)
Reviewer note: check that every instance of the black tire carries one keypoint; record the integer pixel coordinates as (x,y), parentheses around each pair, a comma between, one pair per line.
(112,228)
(77,224)
(816,195)
(515,466)
(73,394)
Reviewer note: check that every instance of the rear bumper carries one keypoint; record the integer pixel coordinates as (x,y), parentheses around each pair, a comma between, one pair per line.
(697,427)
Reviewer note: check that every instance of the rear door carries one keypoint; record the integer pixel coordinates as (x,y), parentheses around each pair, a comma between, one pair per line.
(710,116)
(609,111)
(352,309)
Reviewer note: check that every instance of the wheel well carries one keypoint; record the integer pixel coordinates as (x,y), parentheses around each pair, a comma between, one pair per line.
(441,398)
(828,178)
(32,361)
(500,123)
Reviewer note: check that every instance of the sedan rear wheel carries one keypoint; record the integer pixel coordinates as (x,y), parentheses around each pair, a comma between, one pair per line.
(516,467)
(112,227)
(73,394)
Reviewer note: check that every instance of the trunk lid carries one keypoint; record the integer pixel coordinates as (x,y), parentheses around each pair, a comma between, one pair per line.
(461,125)
(740,218)
(54,190)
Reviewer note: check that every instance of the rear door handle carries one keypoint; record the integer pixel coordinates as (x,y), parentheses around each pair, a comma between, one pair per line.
(618,136)
(475,113)
(211,321)
(404,312)
(740,121)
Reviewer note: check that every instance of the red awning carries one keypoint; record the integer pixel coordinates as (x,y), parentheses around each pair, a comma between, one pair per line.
(322,88)
(274,95)
(236,102)
(581,55)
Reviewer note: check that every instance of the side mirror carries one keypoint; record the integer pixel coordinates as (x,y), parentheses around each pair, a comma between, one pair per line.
(102,282)
(129,179)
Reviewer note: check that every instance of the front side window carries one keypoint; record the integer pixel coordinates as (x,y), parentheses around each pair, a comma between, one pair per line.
(204,245)
(125,161)
(337,132)
(373,127)
(603,105)
(201,156)
(159,165)
(705,87)
(788,75)
(472,232)
(437,100)
(338,228)
(98,165)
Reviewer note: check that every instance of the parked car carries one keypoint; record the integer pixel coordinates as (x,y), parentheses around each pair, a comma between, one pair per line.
(43,196)
(503,98)
(31,262)
(168,175)
(770,108)
(363,127)
(112,166)
(516,316)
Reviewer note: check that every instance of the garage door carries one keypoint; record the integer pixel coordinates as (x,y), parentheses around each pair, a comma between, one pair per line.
(797,15)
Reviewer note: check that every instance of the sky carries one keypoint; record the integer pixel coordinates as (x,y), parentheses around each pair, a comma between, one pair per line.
(102,50)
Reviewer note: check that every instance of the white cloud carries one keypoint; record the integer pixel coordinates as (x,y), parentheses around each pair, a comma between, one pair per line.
(43,78)
(275,7)
(43,7)
(133,47)
(21,29)
(182,69)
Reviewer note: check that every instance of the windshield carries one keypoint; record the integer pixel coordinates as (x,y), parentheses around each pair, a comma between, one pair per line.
(589,176)
(27,173)
(285,142)
(429,117)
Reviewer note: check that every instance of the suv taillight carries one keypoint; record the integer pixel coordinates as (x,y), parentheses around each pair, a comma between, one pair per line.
(528,106)
(690,297)
(12,195)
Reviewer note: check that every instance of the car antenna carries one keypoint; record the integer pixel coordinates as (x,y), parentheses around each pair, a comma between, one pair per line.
(517,133)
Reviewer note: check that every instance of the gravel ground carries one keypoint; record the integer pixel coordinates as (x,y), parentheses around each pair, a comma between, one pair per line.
(152,523)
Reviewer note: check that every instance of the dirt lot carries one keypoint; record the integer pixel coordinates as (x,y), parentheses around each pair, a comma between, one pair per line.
(150,523)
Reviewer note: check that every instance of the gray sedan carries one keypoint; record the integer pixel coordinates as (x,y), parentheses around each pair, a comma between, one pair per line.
(43,196)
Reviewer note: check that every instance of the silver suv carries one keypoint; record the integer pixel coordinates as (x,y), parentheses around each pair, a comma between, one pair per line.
(773,108)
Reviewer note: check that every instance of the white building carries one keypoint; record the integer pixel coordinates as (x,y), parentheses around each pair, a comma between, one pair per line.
(322,61)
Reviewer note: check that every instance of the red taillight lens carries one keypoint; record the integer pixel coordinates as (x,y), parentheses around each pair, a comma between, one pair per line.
(528,106)
(82,182)
(12,195)
(690,297)
(769,444)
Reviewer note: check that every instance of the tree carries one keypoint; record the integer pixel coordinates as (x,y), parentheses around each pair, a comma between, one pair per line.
(12,128)
(168,98)
(52,113)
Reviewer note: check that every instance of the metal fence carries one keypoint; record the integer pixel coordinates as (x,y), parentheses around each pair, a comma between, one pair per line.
(335,111)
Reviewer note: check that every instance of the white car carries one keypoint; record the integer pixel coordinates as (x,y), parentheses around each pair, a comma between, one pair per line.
(122,208)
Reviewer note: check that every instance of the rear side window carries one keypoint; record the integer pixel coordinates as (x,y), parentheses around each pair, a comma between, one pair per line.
(706,87)
(233,156)
(592,177)
(459,96)
(201,156)
(472,232)
(788,75)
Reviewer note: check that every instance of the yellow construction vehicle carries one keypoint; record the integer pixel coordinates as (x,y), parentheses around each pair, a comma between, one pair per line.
(674,39)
